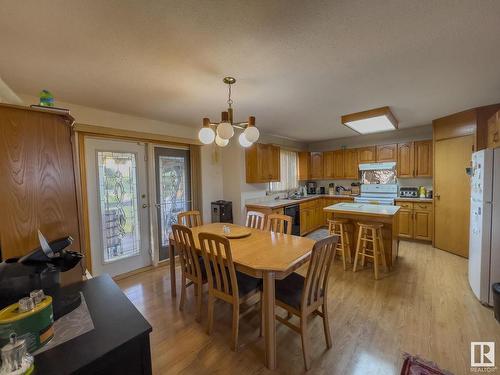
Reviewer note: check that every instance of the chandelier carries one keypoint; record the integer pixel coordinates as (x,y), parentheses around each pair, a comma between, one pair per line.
(224,130)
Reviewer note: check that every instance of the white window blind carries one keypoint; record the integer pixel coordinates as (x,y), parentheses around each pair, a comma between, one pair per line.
(288,168)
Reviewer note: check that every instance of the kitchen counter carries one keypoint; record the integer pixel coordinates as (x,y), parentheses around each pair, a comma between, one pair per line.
(364,209)
(279,203)
(421,200)
(362,212)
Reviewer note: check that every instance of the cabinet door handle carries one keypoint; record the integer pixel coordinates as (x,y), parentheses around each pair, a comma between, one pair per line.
(495,137)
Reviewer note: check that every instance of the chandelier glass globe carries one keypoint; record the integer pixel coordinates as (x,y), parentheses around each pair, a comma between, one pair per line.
(221,142)
(251,134)
(243,140)
(206,135)
(225,130)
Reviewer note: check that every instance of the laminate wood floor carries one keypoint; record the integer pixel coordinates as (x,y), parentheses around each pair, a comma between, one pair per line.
(424,306)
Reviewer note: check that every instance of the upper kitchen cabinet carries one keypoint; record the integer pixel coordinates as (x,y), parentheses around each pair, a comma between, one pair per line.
(405,160)
(367,154)
(423,159)
(316,165)
(304,165)
(387,153)
(494,130)
(350,157)
(262,162)
(328,164)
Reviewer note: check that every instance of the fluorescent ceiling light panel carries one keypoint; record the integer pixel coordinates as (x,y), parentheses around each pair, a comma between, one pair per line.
(371,121)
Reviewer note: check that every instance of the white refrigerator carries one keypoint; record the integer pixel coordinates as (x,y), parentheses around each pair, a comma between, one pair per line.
(484,239)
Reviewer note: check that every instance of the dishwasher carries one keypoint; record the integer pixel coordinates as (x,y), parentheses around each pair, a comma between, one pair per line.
(294,212)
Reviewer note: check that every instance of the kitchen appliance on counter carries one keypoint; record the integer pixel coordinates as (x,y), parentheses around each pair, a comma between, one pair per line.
(222,211)
(40,270)
(331,188)
(484,240)
(378,194)
(408,192)
(311,187)
(322,190)
(422,192)
(294,212)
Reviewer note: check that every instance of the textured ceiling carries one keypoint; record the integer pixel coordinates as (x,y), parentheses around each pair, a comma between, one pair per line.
(300,65)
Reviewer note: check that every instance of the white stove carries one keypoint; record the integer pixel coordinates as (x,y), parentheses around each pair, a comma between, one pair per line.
(384,194)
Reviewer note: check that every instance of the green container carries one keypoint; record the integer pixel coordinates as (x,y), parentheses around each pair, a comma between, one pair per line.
(34,326)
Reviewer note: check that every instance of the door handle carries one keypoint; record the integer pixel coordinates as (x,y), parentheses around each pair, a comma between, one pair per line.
(437,196)
(144,205)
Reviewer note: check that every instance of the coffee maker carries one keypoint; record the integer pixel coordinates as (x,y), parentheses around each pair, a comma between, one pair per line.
(40,270)
(311,187)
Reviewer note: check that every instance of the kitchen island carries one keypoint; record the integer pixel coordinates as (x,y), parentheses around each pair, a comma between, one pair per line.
(361,212)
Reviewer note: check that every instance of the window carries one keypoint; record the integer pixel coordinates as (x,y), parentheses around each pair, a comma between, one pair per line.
(288,166)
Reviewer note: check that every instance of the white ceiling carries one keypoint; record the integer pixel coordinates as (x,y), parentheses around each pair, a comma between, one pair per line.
(300,64)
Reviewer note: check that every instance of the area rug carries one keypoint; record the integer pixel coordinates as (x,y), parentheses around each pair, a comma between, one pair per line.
(413,365)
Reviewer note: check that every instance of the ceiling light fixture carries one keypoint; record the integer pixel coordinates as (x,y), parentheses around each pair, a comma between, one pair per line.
(225,128)
(372,121)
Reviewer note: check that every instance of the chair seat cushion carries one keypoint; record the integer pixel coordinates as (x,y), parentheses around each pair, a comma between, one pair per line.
(289,290)
(247,284)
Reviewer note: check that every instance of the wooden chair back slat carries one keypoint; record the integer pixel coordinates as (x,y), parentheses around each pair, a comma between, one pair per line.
(216,251)
(278,223)
(255,220)
(189,218)
(184,243)
(319,271)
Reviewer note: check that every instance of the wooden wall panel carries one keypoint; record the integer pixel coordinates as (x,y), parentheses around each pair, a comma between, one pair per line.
(456,125)
(37,181)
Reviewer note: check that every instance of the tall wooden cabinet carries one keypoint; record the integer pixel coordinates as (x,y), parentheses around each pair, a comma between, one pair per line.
(38,188)
(350,159)
(316,165)
(494,131)
(304,166)
(262,163)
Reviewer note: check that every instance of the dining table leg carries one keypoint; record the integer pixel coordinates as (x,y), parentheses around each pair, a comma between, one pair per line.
(269,320)
(171,255)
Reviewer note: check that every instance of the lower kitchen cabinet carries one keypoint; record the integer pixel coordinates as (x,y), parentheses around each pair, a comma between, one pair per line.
(415,220)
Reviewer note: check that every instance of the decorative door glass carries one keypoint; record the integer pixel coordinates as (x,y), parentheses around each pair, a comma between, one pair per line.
(173,190)
(118,204)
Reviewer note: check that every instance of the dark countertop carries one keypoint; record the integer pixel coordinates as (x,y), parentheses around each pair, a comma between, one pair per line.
(116,322)
(278,203)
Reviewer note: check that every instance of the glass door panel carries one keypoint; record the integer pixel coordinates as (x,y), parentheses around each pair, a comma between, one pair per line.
(118,206)
(173,191)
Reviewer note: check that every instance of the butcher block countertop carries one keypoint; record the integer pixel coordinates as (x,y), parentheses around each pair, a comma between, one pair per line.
(363,209)
(279,203)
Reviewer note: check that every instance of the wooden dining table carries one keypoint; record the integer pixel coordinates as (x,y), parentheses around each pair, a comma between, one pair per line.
(263,254)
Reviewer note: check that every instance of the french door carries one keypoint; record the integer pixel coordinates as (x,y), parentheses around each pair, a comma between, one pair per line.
(173,191)
(118,205)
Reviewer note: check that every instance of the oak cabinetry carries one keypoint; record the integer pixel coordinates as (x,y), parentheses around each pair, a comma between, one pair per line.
(494,131)
(367,154)
(387,153)
(39,186)
(405,166)
(329,169)
(262,163)
(304,165)
(316,165)
(415,220)
(350,159)
(423,159)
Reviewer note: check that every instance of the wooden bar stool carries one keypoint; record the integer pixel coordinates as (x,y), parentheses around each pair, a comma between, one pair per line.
(338,227)
(370,233)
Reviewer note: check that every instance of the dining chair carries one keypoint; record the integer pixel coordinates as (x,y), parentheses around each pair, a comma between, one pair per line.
(224,282)
(192,266)
(278,223)
(189,218)
(303,296)
(255,220)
